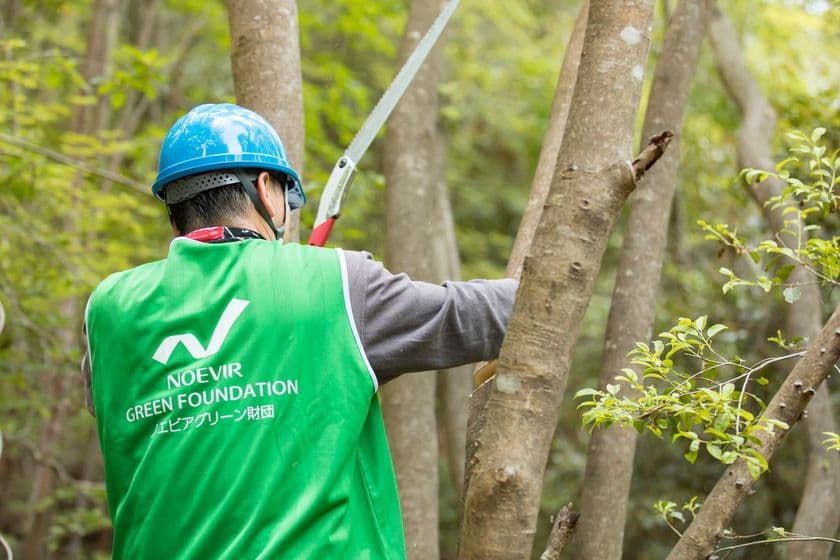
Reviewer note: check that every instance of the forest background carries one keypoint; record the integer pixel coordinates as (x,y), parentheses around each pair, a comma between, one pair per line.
(89,89)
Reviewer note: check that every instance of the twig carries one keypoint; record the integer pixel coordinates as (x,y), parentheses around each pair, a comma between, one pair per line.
(74,163)
(651,153)
(771,541)
(563,528)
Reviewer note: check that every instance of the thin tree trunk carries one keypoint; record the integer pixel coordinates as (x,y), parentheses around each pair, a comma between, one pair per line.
(101,37)
(787,405)
(455,384)
(265,55)
(819,510)
(142,20)
(609,461)
(590,185)
(408,403)
(539,189)
(87,120)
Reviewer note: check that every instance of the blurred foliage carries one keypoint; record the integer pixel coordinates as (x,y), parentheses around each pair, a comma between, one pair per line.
(64,229)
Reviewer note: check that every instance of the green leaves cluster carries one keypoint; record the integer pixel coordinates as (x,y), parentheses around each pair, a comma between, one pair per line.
(810,178)
(668,511)
(683,387)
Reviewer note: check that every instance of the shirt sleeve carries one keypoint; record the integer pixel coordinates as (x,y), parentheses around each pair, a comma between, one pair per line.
(406,326)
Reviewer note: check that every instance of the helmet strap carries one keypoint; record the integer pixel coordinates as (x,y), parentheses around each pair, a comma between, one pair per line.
(287,213)
(251,190)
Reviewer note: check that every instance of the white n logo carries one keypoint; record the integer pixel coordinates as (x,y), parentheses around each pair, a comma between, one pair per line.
(229,316)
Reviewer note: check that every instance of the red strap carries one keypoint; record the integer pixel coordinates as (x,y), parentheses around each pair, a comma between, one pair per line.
(207,234)
(321,233)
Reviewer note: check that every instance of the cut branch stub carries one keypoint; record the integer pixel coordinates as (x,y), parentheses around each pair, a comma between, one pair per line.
(562,529)
(652,152)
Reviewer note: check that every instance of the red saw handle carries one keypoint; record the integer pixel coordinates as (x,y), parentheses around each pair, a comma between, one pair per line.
(321,233)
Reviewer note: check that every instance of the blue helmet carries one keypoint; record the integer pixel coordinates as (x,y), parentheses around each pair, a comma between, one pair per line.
(221,137)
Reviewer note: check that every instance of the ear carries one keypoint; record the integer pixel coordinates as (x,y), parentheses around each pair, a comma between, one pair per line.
(264,191)
(175,231)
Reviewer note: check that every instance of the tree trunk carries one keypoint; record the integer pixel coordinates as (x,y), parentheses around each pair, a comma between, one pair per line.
(408,402)
(101,37)
(87,120)
(819,509)
(536,200)
(455,384)
(609,462)
(788,404)
(265,55)
(590,185)
(142,24)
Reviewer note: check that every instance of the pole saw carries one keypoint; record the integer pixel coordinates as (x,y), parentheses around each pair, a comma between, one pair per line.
(344,170)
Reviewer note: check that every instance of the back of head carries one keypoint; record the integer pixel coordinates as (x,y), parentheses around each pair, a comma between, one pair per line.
(208,162)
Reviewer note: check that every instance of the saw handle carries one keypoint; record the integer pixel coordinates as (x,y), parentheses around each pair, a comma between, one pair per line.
(484,372)
(321,233)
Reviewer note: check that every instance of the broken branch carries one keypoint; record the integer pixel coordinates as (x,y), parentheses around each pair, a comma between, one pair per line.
(562,529)
(651,153)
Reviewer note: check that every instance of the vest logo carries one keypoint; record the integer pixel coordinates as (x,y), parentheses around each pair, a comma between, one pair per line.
(191,343)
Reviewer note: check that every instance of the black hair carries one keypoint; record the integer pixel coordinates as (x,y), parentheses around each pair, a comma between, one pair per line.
(215,207)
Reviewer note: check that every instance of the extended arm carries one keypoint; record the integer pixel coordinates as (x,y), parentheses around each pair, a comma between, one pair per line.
(410,326)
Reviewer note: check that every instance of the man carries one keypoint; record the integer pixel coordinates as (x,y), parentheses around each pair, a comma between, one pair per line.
(234,383)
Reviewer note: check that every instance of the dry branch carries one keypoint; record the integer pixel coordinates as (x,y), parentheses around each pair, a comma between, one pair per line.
(562,529)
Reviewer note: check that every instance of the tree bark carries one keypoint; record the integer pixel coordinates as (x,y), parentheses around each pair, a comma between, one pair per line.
(265,55)
(455,384)
(536,200)
(590,185)
(787,405)
(819,510)
(408,402)
(609,462)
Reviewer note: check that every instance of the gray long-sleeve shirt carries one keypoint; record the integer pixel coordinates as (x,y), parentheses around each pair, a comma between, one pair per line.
(413,326)
(406,325)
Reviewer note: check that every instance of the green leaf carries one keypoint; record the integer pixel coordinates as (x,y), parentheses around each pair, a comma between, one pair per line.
(691,455)
(728,457)
(714,451)
(754,468)
(715,329)
(612,389)
(792,294)
(817,134)
(586,393)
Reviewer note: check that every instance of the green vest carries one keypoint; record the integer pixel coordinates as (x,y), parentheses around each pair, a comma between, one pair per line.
(236,410)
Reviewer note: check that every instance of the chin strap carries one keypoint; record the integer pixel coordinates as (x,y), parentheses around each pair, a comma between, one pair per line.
(248,184)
